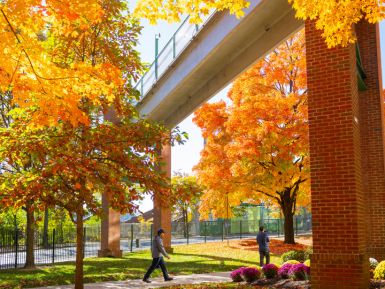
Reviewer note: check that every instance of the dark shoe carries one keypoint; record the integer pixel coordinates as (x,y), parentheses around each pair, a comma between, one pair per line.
(169,279)
(146,281)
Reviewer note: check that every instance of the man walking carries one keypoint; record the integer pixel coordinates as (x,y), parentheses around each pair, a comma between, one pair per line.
(263,243)
(157,250)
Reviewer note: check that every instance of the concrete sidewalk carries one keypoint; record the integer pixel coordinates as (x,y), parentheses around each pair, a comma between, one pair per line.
(156,282)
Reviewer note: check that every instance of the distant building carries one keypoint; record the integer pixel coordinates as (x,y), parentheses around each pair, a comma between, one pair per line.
(132,219)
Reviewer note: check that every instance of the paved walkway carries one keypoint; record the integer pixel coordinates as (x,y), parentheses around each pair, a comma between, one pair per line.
(156,282)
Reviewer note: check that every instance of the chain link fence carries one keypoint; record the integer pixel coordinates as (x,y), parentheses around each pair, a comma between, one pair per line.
(59,244)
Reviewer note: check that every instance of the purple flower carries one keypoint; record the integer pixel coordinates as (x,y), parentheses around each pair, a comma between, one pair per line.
(283,272)
(236,275)
(299,272)
(270,271)
(250,274)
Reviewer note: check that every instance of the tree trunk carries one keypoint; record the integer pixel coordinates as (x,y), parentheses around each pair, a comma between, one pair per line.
(287,207)
(288,227)
(45,229)
(185,222)
(79,252)
(29,243)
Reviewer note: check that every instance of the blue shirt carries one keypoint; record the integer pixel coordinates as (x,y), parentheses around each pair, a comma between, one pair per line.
(263,241)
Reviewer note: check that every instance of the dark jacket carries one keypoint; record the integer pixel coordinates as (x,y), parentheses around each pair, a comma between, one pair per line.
(157,248)
(263,241)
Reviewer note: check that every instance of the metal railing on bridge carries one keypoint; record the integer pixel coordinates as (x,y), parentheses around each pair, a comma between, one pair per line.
(173,48)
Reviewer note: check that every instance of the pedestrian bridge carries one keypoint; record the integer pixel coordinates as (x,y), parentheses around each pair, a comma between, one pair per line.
(200,60)
(346,129)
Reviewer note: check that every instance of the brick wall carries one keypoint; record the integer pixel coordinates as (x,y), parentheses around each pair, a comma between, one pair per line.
(338,205)
(372,139)
(162,212)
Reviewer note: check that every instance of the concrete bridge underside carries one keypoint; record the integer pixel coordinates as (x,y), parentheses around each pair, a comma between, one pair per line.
(223,49)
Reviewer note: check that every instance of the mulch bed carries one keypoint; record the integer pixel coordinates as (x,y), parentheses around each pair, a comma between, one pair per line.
(377,284)
(277,247)
(289,284)
(281,284)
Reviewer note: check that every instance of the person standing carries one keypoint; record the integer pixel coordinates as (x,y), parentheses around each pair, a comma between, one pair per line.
(263,243)
(158,251)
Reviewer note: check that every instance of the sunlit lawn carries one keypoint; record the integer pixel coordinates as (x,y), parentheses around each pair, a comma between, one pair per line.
(187,259)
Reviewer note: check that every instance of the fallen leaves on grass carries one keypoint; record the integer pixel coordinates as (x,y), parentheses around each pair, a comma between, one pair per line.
(277,247)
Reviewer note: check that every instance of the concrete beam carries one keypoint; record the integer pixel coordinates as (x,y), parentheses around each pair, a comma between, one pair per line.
(224,48)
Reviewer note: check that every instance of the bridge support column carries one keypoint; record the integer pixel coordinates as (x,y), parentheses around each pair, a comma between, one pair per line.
(110,231)
(346,159)
(110,227)
(372,138)
(162,210)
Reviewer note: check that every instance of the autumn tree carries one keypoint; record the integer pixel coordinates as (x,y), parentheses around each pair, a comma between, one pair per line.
(73,166)
(335,18)
(34,67)
(185,197)
(70,153)
(257,147)
(87,49)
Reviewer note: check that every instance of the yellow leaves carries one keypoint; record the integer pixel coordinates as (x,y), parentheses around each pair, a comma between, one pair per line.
(74,34)
(38,68)
(171,11)
(336,18)
(210,117)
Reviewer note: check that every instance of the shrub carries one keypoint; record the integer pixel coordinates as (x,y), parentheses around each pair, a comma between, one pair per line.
(307,262)
(259,268)
(373,263)
(294,255)
(308,252)
(291,262)
(379,272)
(250,274)
(270,271)
(236,275)
(283,272)
(299,272)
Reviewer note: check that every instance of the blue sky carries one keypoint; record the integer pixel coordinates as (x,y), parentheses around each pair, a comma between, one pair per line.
(184,157)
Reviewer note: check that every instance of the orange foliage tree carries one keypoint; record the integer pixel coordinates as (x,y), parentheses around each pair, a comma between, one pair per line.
(41,59)
(97,37)
(257,147)
(71,167)
(70,164)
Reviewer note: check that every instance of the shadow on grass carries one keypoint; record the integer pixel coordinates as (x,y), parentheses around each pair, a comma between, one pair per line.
(214,258)
(131,266)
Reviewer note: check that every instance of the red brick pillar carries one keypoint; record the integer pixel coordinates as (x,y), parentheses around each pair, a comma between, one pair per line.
(372,138)
(110,227)
(340,257)
(162,211)
(110,231)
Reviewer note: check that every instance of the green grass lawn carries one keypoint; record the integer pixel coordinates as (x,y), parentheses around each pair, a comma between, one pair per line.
(197,258)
